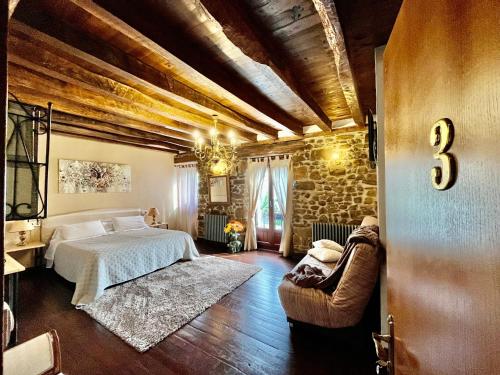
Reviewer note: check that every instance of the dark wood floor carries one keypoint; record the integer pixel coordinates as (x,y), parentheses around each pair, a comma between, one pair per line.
(246,332)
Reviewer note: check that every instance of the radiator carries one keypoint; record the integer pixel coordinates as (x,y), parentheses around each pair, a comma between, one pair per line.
(332,231)
(214,227)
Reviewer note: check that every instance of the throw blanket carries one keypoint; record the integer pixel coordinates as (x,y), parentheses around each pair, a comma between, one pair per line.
(307,276)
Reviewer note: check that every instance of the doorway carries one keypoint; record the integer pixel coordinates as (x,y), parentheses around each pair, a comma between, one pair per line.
(268,216)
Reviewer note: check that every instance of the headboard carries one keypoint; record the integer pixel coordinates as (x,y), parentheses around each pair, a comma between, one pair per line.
(51,223)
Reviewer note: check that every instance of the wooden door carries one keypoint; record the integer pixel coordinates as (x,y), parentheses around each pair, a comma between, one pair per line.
(269,219)
(443,246)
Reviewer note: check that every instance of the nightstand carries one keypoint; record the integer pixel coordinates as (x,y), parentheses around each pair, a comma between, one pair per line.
(159,225)
(35,246)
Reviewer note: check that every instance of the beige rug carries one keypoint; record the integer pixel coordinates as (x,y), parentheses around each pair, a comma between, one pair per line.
(144,311)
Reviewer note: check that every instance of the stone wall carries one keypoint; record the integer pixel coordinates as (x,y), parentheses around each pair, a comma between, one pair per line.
(334,182)
(236,209)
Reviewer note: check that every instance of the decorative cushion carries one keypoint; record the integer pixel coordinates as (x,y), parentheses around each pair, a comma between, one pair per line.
(328,244)
(82,230)
(128,222)
(324,254)
(369,220)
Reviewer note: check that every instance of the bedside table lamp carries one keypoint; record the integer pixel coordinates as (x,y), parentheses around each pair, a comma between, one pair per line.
(21,227)
(154,213)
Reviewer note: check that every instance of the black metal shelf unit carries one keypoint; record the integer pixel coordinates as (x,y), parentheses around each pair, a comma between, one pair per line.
(27,149)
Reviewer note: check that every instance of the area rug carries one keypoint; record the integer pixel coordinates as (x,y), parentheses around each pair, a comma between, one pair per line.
(144,311)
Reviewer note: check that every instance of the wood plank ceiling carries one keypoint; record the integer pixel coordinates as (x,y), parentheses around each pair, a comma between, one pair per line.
(149,73)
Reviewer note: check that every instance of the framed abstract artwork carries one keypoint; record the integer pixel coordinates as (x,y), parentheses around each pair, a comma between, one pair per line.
(81,176)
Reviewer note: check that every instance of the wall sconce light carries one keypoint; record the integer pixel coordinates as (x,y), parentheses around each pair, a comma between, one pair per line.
(335,158)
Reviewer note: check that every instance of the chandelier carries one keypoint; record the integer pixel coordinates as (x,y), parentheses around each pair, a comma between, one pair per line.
(219,158)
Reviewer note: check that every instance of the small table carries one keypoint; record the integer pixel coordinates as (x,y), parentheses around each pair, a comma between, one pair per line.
(37,246)
(159,225)
(11,269)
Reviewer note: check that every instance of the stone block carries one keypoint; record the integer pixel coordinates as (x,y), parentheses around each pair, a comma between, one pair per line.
(315,175)
(338,171)
(310,217)
(305,185)
(323,219)
(239,213)
(370,180)
(300,173)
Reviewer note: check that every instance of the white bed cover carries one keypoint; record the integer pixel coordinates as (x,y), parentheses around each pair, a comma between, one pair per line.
(99,262)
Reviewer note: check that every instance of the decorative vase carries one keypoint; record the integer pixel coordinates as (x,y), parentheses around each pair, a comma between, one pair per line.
(234,244)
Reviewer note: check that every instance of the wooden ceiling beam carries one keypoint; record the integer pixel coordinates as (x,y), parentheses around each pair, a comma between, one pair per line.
(112,136)
(111,62)
(176,47)
(24,77)
(20,76)
(63,103)
(246,34)
(69,119)
(50,65)
(89,124)
(108,138)
(333,32)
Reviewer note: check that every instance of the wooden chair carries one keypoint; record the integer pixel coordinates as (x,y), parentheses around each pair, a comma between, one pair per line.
(41,355)
(38,356)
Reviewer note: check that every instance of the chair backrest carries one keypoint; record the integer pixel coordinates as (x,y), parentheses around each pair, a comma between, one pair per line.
(41,356)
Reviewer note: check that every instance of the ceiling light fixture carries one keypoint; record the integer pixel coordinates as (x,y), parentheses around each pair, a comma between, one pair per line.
(219,158)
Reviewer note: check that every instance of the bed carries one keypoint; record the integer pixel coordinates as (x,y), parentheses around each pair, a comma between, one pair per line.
(96,263)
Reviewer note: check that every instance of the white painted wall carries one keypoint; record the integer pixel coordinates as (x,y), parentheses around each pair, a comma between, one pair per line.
(153,177)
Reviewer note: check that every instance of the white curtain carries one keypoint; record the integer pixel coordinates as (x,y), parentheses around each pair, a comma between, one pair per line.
(187,199)
(282,179)
(255,177)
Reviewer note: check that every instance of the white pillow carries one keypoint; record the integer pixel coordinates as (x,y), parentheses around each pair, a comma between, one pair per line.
(82,230)
(57,234)
(108,225)
(329,244)
(325,255)
(369,220)
(122,223)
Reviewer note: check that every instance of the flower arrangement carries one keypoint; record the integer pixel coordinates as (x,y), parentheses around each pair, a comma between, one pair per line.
(234,226)
(232,229)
